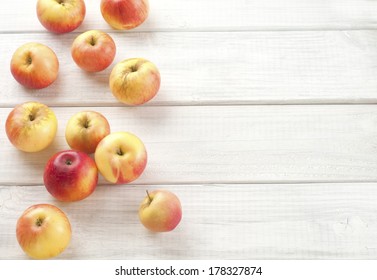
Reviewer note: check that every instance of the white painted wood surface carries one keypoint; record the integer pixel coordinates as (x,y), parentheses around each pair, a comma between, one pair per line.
(229,144)
(214,15)
(216,68)
(257,179)
(313,221)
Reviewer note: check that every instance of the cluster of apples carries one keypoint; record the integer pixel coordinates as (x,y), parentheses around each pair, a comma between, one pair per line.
(43,230)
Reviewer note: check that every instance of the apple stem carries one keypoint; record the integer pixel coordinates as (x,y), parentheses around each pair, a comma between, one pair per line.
(86,124)
(120,152)
(149,197)
(39,222)
(133,68)
(92,41)
(29,60)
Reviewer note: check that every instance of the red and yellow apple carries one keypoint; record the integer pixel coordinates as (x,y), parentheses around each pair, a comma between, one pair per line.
(124,14)
(70,176)
(34,65)
(93,51)
(85,130)
(121,157)
(43,231)
(160,211)
(61,16)
(134,81)
(31,126)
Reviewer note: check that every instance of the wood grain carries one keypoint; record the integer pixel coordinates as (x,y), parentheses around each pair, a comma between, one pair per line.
(202,68)
(214,15)
(265,127)
(315,221)
(228,144)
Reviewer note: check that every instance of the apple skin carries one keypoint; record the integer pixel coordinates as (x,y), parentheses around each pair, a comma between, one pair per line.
(124,14)
(34,65)
(61,16)
(43,231)
(121,157)
(70,176)
(134,81)
(31,126)
(160,211)
(93,51)
(85,130)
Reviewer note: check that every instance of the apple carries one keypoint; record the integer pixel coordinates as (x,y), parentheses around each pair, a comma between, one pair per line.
(70,176)
(31,126)
(43,231)
(34,65)
(121,157)
(124,14)
(85,130)
(160,211)
(134,81)
(61,16)
(93,51)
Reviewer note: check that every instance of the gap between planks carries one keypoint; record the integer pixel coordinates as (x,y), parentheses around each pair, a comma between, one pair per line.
(211,184)
(211,30)
(211,104)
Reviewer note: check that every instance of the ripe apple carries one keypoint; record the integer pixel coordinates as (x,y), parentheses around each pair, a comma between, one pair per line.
(121,157)
(31,126)
(160,211)
(134,81)
(61,16)
(34,65)
(93,51)
(43,231)
(70,176)
(85,130)
(124,14)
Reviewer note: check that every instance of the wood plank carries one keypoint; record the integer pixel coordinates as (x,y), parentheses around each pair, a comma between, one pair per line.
(228,144)
(188,15)
(315,221)
(216,68)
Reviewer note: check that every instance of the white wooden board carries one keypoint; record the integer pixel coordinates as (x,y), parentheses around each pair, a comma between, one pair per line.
(242,130)
(216,68)
(215,15)
(315,221)
(229,144)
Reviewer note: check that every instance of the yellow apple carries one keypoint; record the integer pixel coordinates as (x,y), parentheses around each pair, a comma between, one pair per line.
(160,211)
(43,231)
(124,14)
(34,65)
(121,157)
(31,126)
(93,50)
(85,130)
(61,16)
(134,81)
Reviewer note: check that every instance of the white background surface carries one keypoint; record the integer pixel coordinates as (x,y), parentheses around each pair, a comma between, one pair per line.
(265,127)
